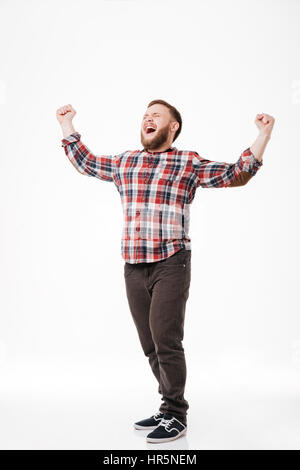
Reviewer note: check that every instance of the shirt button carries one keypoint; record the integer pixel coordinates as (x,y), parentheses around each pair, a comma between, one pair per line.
(138,229)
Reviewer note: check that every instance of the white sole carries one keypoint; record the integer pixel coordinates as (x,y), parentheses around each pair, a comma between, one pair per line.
(137,426)
(166,439)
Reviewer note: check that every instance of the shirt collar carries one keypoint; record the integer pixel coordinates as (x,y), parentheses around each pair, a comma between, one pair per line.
(164,151)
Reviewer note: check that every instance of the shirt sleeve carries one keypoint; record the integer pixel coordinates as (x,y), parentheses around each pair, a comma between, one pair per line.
(99,166)
(212,174)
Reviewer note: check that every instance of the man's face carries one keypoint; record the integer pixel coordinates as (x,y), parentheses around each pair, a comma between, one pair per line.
(157,117)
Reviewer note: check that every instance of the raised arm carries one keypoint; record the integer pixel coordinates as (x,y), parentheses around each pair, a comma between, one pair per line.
(211,174)
(85,162)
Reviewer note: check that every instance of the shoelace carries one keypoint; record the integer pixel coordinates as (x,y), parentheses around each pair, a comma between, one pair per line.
(167,423)
(157,414)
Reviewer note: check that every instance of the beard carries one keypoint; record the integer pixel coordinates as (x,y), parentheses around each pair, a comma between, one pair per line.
(156,139)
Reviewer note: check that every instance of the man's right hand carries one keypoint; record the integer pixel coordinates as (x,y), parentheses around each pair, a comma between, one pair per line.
(64,116)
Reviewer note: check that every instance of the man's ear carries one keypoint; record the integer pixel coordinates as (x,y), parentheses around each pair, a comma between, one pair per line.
(175,126)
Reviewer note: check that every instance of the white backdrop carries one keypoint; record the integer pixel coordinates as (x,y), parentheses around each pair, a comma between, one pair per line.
(70,358)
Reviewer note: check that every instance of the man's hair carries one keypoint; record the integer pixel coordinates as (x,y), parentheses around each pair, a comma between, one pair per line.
(175,114)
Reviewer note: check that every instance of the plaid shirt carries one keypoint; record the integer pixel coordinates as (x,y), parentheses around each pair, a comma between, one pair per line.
(156,190)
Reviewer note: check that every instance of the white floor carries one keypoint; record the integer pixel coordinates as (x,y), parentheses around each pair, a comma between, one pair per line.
(48,409)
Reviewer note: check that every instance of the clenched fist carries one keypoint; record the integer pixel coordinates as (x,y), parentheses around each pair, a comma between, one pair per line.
(265,123)
(65,114)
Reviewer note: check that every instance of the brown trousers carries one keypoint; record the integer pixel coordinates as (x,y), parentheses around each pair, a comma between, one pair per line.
(157,293)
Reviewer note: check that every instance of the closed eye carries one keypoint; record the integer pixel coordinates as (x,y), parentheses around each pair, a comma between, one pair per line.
(155,114)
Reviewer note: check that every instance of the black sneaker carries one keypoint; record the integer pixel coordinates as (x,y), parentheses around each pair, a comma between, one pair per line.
(150,423)
(170,428)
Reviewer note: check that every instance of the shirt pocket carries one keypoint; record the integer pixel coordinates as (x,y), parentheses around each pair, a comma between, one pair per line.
(171,171)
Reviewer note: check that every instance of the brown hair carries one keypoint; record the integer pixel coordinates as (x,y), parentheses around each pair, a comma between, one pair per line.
(175,114)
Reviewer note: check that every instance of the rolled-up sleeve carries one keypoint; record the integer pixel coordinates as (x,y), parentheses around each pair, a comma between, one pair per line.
(211,174)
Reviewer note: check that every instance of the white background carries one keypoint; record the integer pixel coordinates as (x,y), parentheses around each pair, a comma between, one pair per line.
(72,371)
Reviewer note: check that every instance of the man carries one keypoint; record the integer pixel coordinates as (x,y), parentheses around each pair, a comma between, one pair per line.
(157,186)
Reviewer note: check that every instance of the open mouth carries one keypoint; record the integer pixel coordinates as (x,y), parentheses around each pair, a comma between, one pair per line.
(150,130)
